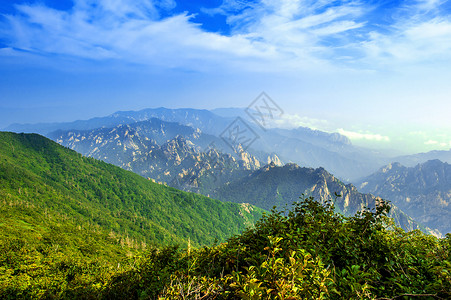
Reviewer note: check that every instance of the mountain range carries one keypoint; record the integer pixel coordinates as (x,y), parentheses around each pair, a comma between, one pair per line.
(422,191)
(187,149)
(303,146)
(176,154)
(154,149)
(281,186)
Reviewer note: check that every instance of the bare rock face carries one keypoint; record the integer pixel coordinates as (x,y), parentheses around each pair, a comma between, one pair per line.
(423,191)
(273,158)
(248,161)
(273,185)
(309,147)
(181,156)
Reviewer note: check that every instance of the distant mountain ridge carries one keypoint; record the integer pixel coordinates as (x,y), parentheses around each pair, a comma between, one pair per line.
(191,117)
(414,159)
(281,186)
(302,146)
(423,191)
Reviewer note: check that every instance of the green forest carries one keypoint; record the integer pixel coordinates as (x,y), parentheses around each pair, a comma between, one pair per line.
(58,208)
(72,227)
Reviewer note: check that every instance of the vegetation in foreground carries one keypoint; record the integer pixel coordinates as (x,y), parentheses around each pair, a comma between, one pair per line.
(310,252)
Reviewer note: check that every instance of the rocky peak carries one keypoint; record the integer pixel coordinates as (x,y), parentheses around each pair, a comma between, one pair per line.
(273,158)
(177,148)
(391,166)
(268,167)
(291,166)
(434,164)
(249,162)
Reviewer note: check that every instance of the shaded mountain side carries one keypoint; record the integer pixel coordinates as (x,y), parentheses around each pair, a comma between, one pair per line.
(423,191)
(154,149)
(37,172)
(281,186)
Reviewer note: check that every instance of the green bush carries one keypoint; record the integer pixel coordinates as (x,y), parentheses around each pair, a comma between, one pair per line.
(310,252)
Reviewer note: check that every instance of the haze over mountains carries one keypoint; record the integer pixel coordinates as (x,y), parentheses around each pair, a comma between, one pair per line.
(414,159)
(303,146)
(191,150)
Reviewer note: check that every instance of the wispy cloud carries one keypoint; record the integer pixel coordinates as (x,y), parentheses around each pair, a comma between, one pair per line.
(431,142)
(289,121)
(363,136)
(125,30)
(442,144)
(421,33)
(288,34)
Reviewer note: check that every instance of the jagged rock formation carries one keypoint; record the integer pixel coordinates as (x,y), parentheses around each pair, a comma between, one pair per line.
(423,191)
(302,145)
(281,186)
(181,156)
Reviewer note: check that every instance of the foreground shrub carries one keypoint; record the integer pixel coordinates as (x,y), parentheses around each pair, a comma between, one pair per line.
(309,252)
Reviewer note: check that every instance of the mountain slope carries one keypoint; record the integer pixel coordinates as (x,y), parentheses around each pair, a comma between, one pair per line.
(281,186)
(39,173)
(179,155)
(423,191)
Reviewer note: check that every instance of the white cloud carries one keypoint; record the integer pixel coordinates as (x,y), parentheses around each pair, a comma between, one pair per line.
(363,136)
(283,33)
(104,33)
(420,34)
(414,42)
(269,35)
(289,121)
(442,144)
(431,142)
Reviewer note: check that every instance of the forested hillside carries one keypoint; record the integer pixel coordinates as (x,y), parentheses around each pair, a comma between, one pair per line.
(52,179)
(60,211)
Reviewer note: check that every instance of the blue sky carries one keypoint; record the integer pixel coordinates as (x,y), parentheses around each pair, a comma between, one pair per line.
(376,71)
